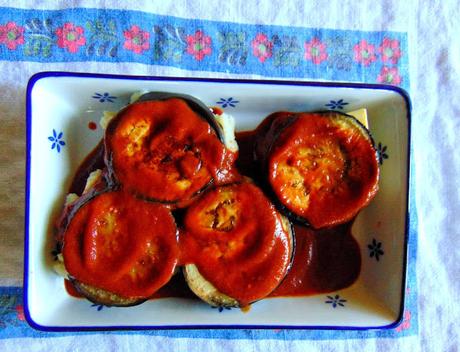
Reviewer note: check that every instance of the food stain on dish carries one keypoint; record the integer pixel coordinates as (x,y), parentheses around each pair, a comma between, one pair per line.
(92,125)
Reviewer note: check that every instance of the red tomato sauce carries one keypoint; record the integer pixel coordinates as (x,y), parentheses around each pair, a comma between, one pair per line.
(326,161)
(324,260)
(170,154)
(235,237)
(121,244)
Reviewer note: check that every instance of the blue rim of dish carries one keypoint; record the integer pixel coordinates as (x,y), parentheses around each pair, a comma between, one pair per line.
(36,77)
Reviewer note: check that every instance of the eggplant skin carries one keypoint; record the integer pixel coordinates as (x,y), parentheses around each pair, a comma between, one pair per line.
(195,104)
(103,297)
(208,293)
(200,109)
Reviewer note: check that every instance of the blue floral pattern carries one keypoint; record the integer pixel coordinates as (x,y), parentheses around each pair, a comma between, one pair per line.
(382,152)
(103,39)
(103,97)
(234,50)
(104,35)
(221,309)
(56,141)
(375,249)
(227,102)
(99,307)
(41,37)
(336,104)
(335,301)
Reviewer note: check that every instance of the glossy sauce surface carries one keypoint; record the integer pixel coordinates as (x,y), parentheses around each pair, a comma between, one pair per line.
(236,238)
(324,261)
(121,244)
(323,167)
(163,150)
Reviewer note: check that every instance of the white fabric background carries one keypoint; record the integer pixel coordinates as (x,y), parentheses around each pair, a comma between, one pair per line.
(434,40)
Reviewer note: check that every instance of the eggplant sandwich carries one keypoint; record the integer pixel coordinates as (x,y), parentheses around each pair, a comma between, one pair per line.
(238,247)
(322,168)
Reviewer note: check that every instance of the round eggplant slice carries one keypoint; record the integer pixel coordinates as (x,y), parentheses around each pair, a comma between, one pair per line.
(119,250)
(165,148)
(323,168)
(239,248)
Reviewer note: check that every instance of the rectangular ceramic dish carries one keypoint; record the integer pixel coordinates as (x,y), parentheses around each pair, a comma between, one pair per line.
(63,111)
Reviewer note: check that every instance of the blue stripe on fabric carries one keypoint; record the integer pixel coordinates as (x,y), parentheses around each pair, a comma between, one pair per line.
(276,51)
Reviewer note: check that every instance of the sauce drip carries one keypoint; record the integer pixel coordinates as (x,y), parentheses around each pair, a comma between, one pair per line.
(92,125)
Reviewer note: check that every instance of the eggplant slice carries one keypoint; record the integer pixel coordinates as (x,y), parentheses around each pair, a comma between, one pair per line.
(119,250)
(165,148)
(224,235)
(321,167)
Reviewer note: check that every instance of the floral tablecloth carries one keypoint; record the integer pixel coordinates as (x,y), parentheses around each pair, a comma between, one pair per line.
(386,42)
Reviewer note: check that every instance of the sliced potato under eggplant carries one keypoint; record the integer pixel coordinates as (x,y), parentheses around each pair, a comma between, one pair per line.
(165,147)
(239,248)
(322,167)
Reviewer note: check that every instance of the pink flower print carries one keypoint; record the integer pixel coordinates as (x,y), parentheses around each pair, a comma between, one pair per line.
(315,51)
(405,323)
(136,39)
(364,53)
(389,75)
(70,37)
(199,45)
(11,35)
(262,47)
(390,51)
(20,312)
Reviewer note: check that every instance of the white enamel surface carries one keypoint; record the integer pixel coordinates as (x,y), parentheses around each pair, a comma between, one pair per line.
(66,104)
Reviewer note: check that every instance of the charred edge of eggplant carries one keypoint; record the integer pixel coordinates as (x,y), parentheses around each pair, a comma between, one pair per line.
(195,104)
(289,121)
(357,122)
(104,297)
(205,289)
(264,163)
